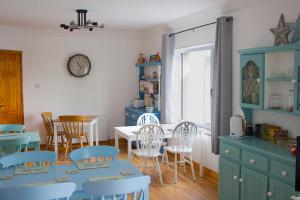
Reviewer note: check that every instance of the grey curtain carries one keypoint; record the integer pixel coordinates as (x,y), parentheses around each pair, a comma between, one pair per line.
(168,46)
(222,82)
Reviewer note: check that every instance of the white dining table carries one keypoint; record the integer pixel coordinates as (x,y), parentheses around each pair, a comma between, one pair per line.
(92,124)
(129,133)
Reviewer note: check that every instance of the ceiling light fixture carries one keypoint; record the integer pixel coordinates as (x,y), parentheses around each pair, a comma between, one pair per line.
(81,22)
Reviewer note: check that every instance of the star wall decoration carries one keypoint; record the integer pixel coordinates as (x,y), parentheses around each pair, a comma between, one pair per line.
(295,27)
(281,32)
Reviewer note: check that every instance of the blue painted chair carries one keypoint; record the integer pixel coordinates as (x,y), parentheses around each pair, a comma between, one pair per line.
(103,152)
(9,146)
(129,188)
(20,158)
(6,128)
(41,192)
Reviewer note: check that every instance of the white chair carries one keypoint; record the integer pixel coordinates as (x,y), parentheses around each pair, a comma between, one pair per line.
(147,118)
(182,142)
(150,139)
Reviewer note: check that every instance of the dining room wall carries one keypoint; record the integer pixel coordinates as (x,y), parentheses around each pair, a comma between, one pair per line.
(47,85)
(251,24)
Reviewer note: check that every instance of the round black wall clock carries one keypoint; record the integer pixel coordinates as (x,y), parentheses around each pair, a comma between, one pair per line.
(79,65)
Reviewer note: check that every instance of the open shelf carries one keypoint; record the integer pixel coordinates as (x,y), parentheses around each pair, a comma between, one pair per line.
(279,78)
(148,64)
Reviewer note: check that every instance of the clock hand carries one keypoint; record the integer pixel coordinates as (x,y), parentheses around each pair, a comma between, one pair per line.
(78,64)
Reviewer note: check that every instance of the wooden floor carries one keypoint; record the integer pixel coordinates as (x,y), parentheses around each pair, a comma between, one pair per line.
(185,189)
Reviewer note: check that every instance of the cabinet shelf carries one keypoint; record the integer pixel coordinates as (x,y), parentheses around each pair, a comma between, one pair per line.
(148,64)
(149,79)
(282,111)
(279,79)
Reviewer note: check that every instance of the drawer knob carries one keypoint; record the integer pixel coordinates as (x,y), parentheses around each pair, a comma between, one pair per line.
(258,80)
(132,116)
(126,114)
(241,180)
(252,161)
(293,197)
(294,81)
(235,177)
(227,151)
(270,194)
(284,173)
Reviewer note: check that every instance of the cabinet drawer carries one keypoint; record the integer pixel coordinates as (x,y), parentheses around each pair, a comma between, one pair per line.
(282,171)
(255,161)
(230,151)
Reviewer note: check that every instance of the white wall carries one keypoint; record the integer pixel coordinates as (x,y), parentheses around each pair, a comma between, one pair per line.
(47,85)
(251,26)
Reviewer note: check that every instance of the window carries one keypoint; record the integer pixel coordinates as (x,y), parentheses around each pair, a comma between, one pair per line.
(196,84)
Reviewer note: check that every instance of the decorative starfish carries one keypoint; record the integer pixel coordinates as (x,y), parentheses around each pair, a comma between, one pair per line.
(281,32)
(296,30)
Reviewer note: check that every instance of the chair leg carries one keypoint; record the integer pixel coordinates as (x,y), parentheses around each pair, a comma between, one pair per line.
(67,147)
(87,139)
(159,171)
(175,168)
(183,161)
(192,166)
(62,140)
(167,159)
(48,141)
(51,140)
(81,144)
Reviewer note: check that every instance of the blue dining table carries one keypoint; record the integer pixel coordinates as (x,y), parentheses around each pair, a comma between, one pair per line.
(34,141)
(59,171)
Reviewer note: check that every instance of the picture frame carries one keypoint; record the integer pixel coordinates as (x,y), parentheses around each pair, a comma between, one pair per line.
(152,58)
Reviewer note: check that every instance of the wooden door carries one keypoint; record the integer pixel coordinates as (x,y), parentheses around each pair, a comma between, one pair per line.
(229,174)
(11,101)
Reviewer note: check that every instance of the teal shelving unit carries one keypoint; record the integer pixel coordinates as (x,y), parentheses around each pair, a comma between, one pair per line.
(253,79)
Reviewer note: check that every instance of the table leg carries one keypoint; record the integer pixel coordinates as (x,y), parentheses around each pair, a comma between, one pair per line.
(55,139)
(116,139)
(129,149)
(91,134)
(146,193)
(97,132)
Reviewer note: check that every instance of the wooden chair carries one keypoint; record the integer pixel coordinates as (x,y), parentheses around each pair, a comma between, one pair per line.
(9,128)
(129,188)
(182,144)
(10,146)
(100,152)
(150,138)
(34,157)
(74,128)
(47,118)
(38,192)
(147,118)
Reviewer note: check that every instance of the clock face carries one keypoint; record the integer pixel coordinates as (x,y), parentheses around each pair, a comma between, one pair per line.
(79,65)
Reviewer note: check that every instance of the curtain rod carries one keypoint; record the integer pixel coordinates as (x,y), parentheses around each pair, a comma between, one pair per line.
(229,19)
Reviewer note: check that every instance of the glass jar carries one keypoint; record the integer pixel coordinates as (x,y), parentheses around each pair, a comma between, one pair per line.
(276,101)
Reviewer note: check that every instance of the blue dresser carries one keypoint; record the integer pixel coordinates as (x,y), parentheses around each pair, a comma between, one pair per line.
(255,169)
(132,115)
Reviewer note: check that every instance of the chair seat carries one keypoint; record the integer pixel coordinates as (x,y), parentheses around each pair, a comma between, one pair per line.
(178,149)
(146,154)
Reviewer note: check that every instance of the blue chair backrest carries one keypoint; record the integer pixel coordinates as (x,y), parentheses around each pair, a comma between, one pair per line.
(20,158)
(147,118)
(102,151)
(115,188)
(6,128)
(9,146)
(42,192)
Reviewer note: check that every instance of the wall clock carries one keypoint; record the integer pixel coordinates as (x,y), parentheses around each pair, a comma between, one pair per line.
(79,65)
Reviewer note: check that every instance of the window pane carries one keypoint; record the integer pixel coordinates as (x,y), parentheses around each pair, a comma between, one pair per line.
(196,85)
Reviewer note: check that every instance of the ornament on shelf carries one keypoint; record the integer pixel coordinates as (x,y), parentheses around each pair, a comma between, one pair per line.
(281,32)
(142,59)
(295,27)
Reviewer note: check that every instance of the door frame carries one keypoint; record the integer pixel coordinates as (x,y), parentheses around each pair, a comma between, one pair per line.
(17,52)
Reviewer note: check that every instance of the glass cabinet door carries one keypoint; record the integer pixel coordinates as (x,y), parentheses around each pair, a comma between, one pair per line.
(252,81)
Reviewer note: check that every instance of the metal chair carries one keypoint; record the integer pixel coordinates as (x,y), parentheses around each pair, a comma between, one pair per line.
(47,119)
(41,192)
(8,128)
(9,146)
(100,152)
(20,158)
(147,118)
(74,128)
(182,143)
(129,188)
(150,138)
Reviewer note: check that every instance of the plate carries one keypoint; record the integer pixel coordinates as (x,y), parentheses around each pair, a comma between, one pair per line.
(62,179)
(72,171)
(6,177)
